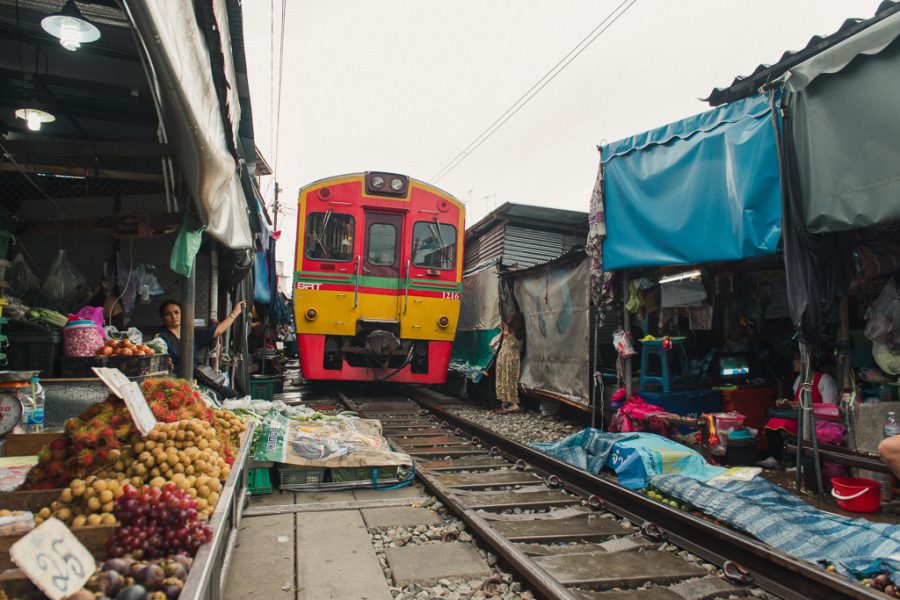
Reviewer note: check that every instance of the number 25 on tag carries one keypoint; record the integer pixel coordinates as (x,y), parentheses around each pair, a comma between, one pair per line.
(53,559)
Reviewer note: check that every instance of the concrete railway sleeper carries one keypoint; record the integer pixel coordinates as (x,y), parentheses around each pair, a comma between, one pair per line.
(571,534)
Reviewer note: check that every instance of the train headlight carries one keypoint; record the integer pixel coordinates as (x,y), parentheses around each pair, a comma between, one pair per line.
(377,182)
(325,194)
(311,314)
(397,184)
(443,322)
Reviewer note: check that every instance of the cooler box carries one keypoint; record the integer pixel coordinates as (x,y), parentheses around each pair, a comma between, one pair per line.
(752,402)
(755,403)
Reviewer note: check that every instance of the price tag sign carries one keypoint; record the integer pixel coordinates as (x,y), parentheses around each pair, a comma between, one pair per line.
(131,393)
(53,559)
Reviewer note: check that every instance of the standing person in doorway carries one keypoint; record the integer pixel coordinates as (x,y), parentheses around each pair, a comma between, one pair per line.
(170,311)
(509,361)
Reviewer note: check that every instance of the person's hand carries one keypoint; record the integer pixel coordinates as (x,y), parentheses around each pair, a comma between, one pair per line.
(238,309)
(872,375)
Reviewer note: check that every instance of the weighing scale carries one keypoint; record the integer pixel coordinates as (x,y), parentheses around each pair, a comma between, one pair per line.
(11,412)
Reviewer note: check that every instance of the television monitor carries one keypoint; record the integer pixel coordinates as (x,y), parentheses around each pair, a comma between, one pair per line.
(733,366)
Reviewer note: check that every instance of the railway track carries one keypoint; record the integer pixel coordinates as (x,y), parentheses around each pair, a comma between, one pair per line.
(570,534)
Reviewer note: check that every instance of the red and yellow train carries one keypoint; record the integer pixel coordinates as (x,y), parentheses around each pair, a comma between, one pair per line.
(378,276)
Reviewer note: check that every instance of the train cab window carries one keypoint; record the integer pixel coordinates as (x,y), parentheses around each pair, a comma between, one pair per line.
(329,236)
(434,245)
(382,244)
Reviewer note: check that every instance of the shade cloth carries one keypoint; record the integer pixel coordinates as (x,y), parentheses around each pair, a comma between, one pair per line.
(479,322)
(847,170)
(554,299)
(706,188)
(194,123)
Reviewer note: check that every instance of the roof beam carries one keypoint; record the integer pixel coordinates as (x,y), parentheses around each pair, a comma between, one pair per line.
(22,148)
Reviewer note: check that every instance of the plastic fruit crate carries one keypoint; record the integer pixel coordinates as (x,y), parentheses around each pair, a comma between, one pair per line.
(362,474)
(259,481)
(300,476)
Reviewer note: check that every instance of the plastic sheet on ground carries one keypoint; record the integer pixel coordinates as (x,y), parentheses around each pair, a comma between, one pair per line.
(329,444)
(776,517)
(635,457)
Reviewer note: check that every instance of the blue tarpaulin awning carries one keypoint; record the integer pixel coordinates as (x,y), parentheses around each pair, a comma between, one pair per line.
(706,188)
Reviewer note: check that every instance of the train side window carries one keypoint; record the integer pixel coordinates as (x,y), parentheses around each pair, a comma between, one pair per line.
(329,236)
(382,245)
(434,245)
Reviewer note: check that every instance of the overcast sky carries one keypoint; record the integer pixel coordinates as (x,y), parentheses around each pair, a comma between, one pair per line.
(405,86)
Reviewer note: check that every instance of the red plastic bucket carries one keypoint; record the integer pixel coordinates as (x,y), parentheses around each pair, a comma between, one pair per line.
(857,494)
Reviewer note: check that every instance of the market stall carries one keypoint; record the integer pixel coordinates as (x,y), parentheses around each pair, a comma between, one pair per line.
(153,474)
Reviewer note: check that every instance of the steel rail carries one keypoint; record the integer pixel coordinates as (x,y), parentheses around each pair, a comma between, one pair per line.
(544,584)
(773,570)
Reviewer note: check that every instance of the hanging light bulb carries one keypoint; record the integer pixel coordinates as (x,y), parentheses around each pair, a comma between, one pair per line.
(70,26)
(34,118)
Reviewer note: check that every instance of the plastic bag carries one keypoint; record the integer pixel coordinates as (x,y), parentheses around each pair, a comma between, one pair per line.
(622,343)
(23,283)
(63,287)
(133,334)
(17,523)
(149,286)
(883,317)
(186,246)
(95,314)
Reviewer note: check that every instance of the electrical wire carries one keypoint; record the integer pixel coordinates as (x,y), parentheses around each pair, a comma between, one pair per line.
(541,83)
(280,81)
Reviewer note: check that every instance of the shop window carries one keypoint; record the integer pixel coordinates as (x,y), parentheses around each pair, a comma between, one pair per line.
(434,245)
(382,245)
(329,236)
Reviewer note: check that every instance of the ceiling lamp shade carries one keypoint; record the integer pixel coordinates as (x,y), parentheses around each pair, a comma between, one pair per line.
(70,26)
(34,118)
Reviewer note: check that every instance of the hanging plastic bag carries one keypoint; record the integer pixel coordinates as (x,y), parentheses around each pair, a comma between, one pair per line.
(23,283)
(883,317)
(622,343)
(63,287)
(186,246)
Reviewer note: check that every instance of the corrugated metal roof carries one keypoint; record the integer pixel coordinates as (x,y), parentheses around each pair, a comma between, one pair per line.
(524,247)
(548,217)
(574,254)
(745,85)
(521,235)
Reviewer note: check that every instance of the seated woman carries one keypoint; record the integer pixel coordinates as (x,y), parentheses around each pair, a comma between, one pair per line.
(824,391)
(170,311)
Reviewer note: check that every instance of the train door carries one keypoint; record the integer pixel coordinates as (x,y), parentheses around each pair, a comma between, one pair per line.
(381,266)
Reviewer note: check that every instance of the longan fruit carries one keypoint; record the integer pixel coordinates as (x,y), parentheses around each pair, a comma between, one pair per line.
(107,519)
(66,496)
(79,521)
(94,520)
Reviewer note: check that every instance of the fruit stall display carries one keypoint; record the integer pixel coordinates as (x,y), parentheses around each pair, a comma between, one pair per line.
(153,501)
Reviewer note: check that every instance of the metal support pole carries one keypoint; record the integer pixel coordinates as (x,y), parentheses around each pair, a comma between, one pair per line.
(188,290)
(807,421)
(626,325)
(214,301)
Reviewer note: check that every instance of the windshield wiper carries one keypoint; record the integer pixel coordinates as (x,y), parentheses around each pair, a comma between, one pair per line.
(437,229)
(321,232)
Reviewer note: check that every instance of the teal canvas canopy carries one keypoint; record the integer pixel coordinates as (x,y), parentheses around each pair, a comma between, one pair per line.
(706,188)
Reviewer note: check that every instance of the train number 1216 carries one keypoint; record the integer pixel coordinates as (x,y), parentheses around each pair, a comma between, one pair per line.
(450,295)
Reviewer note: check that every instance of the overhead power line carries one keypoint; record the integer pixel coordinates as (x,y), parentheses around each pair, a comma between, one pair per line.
(541,83)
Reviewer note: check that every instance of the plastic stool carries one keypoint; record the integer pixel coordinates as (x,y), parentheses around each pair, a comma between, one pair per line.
(668,372)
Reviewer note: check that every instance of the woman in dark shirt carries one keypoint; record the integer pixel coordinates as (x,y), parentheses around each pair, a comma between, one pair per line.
(170,311)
